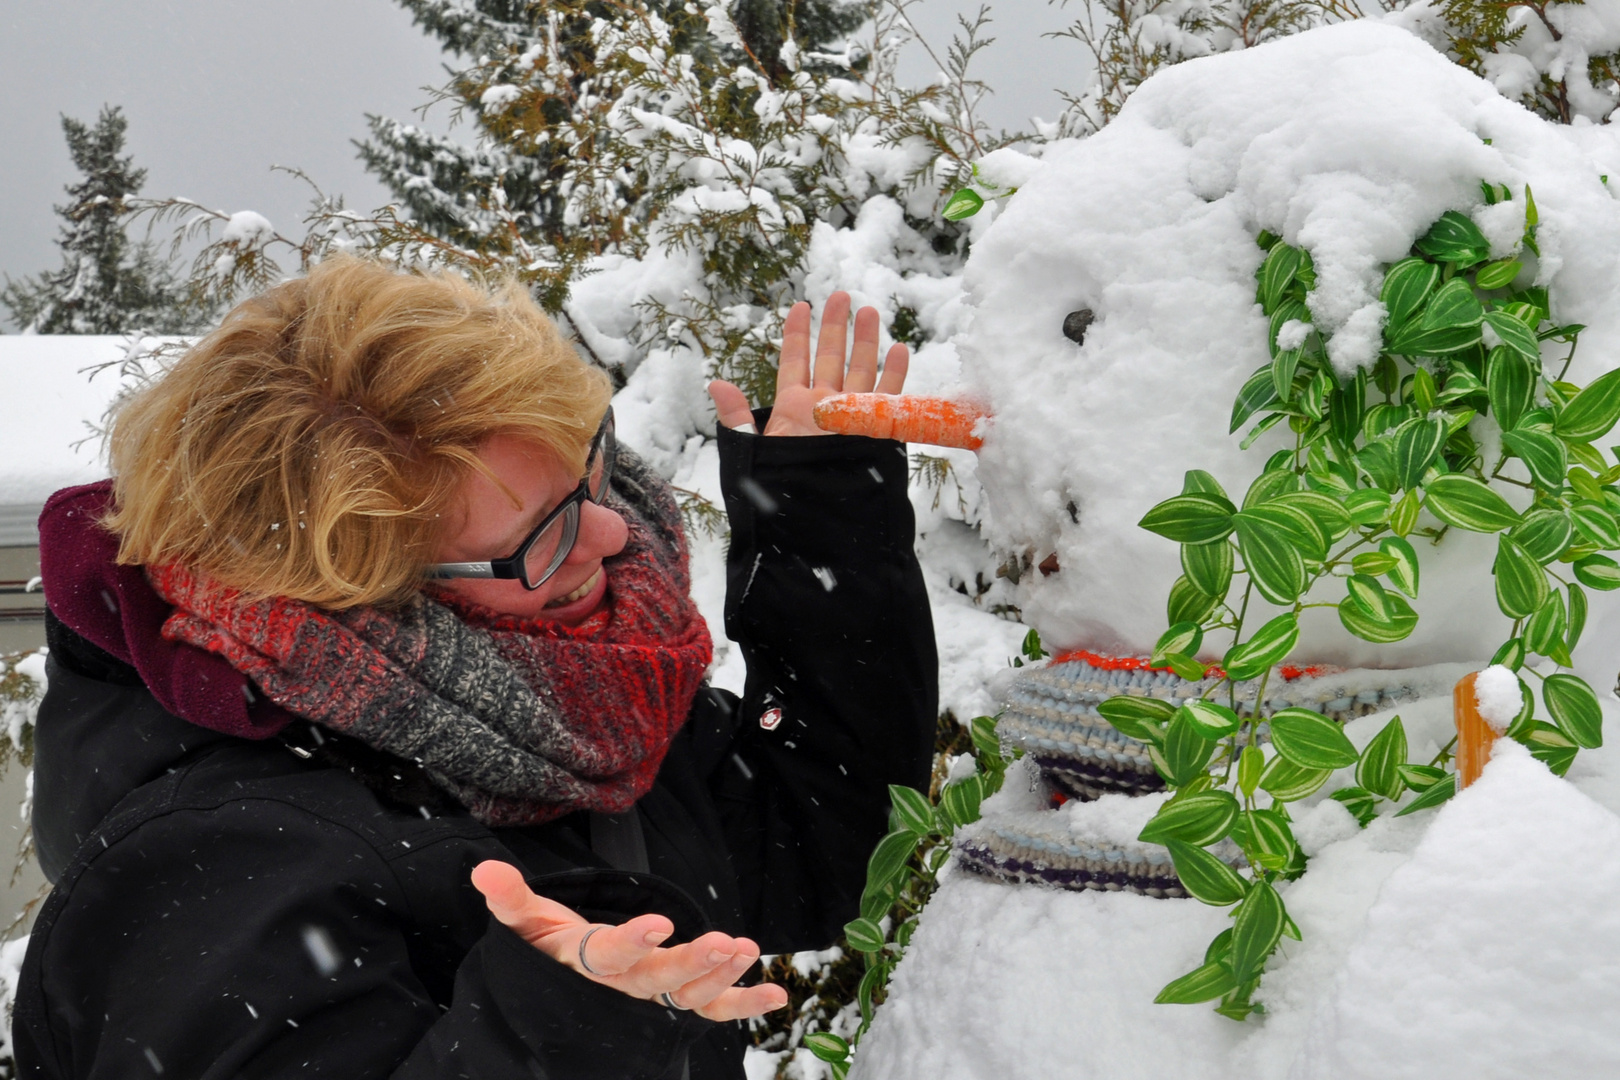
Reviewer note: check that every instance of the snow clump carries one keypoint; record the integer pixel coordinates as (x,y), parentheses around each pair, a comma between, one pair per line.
(1497,693)
(248,228)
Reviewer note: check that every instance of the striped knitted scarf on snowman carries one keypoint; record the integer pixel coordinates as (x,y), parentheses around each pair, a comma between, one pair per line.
(520,721)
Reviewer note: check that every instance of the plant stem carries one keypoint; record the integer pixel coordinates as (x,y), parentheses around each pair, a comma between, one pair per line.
(1570,358)
(1237,632)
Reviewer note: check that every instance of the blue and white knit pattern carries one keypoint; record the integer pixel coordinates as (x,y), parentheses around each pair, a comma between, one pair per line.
(1051,713)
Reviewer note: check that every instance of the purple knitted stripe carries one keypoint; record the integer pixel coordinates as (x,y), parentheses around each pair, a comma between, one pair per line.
(982,860)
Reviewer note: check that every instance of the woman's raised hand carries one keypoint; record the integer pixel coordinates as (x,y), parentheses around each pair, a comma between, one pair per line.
(697,976)
(799,387)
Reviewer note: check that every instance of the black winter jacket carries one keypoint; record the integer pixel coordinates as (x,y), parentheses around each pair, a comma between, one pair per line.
(300,906)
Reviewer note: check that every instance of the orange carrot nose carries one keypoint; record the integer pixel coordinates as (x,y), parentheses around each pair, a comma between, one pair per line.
(932,420)
(1475,736)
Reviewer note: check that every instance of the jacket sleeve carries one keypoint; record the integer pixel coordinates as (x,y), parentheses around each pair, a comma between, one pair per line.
(262,941)
(825,598)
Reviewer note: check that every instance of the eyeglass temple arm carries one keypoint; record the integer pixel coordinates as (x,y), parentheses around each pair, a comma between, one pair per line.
(461,570)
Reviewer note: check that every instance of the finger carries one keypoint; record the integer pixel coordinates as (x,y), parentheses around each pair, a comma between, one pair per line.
(614,950)
(730,405)
(672,968)
(533,918)
(863,354)
(742,1002)
(829,373)
(894,370)
(699,992)
(794,367)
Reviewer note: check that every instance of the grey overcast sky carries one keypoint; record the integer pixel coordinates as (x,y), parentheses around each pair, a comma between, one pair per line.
(218,91)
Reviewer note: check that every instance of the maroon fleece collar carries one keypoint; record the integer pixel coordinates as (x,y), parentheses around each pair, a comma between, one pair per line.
(114,607)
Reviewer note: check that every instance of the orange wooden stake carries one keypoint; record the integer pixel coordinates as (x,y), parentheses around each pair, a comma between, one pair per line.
(1475,736)
(909,418)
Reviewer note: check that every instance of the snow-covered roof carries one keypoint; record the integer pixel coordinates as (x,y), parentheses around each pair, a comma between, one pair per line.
(50,396)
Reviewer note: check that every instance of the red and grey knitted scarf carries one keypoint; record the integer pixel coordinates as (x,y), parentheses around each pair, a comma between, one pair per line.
(521,721)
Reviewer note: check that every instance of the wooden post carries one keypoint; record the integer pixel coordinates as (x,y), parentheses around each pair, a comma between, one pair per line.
(1474,735)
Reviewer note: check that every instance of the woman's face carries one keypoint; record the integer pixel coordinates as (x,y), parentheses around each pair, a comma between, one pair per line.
(491,527)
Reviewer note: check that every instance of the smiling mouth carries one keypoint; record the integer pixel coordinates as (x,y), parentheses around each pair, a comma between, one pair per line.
(578,594)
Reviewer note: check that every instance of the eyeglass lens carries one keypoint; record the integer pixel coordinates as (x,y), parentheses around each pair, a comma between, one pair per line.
(551,547)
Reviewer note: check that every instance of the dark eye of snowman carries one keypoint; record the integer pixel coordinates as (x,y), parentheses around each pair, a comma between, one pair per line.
(1075,324)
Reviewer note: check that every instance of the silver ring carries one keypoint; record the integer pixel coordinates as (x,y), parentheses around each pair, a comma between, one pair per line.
(663,996)
(584,963)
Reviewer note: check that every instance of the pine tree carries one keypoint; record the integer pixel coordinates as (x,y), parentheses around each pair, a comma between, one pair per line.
(106,284)
(533,151)
(614,134)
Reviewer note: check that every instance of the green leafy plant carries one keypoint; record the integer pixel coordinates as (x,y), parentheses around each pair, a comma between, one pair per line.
(903,873)
(1383,463)
(970,199)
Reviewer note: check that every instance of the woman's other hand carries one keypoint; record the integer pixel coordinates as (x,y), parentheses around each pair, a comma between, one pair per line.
(796,391)
(697,976)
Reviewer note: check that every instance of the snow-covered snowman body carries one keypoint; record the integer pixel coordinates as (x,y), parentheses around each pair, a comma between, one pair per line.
(1479,940)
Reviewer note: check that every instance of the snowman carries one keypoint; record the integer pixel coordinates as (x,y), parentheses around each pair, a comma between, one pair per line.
(1119,310)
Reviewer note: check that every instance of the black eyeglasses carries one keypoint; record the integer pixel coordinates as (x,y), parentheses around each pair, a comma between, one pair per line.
(544,550)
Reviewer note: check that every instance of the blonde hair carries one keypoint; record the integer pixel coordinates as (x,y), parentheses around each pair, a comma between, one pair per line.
(312,446)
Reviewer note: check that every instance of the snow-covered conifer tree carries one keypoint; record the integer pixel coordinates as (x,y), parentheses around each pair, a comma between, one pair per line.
(1558,59)
(1561,60)
(717,130)
(531,151)
(106,284)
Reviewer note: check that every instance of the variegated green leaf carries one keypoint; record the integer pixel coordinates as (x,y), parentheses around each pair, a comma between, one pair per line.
(1574,708)
(1405,571)
(1406,288)
(1205,984)
(1521,584)
(1269,554)
(1378,769)
(1204,876)
(1287,781)
(1199,819)
(1269,645)
(1210,720)
(1593,411)
(1256,930)
(1461,500)
(1208,566)
(1197,518)
(1515,335)
(1510,382)
(1311,740)
(1544,455)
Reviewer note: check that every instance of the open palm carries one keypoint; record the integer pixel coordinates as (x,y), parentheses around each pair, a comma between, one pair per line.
(699,975)
(799,386)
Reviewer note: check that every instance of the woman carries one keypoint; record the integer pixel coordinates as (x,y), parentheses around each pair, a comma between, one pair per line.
(375,633)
